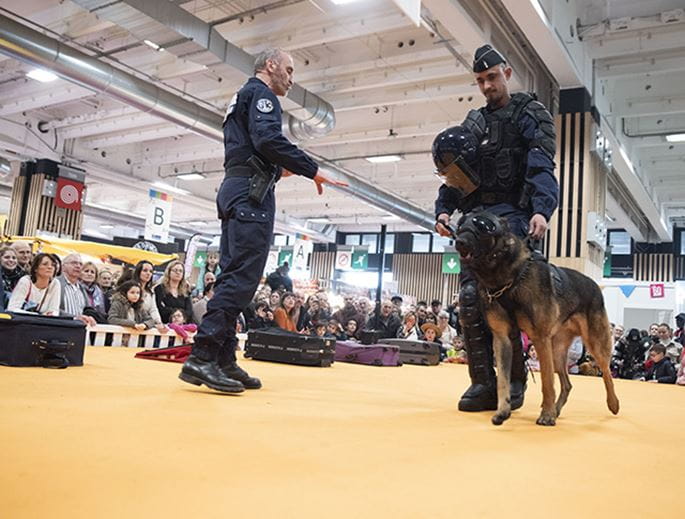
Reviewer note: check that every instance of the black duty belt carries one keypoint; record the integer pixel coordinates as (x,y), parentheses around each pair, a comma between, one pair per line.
(239,171)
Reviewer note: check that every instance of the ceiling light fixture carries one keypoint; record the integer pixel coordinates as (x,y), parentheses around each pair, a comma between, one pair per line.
(343,2)
(41,75)
(190,176)
(198,223)
(391,218)
(383,159)
(676,137)
(153,45)
(322,219)
(106,226)
(169,187)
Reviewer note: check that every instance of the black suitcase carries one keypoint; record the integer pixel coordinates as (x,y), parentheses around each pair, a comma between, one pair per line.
(292,348)
(422,353)
(37,340)
(369,337)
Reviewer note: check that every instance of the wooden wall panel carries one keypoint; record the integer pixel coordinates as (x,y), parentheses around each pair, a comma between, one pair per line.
(653,267)
(420,275)
(321,265)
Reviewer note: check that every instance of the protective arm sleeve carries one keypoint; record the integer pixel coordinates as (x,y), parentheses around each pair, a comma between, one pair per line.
(537,129)
(265,131)
(447,201)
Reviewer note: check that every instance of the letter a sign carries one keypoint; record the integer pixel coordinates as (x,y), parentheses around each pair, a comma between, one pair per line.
(158,217)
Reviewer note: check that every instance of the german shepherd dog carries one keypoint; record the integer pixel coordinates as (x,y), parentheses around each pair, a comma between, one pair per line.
(519,289)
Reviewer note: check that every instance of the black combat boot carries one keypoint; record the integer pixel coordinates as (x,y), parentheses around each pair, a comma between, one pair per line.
(197,371)
(519,373)
(235,372)
(482,395)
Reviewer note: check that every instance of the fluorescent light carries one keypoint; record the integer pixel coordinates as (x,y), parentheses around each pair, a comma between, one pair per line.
(106,226)
(198,223)
(676,137)
(190,176)
(41,75)
(391,218)
(169,187)
(382,159)
(153,45)
(323,219)
(343,2)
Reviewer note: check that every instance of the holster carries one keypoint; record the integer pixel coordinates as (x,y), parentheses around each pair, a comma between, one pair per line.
(262,180)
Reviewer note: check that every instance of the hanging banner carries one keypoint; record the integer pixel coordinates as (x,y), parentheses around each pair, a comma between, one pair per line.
(343,260)
(301,250)
(627,289)
(657,290)
(158,217)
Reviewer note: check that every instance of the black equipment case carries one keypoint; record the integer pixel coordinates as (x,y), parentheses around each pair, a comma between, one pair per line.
(28,339)
(292,348)
(422,353)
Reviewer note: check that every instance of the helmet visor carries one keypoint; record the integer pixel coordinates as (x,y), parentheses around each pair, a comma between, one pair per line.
(459,175)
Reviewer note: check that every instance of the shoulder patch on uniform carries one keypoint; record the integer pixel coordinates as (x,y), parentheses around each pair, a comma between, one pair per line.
(265,105)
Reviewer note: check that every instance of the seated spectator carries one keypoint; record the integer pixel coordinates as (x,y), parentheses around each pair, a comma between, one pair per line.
(334,330)
(173,291)
(274,300)
(436,307)
(24,254)
(661,370)
(11,271)
(387,323)
(105,281)
(73,296)
(319,329)
(431,333)
(127,307)
(142,274)
(95,295)
(680,379)
(284,315)
(409,329)
(421,313)
(347,312)
(574,355)
(180,325)
(210,267)
(351,330)
(200,308)
(679,334)
(673,349)
(448,333)
(202,282)
(533,361)
(269,319)
(627,361)
(39,291)
(453,311)
(430,318)
(397,303)
(259,321)
(363,313)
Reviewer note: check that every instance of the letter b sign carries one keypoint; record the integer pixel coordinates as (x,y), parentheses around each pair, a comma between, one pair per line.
(158,218)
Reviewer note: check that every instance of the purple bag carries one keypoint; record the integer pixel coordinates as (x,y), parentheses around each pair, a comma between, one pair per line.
(373,355)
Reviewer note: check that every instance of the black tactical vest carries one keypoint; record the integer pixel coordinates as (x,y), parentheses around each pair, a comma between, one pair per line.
(503,154)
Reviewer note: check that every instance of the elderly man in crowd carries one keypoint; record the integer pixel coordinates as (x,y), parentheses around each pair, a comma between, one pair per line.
(74,297)
(387,323)
(24,254)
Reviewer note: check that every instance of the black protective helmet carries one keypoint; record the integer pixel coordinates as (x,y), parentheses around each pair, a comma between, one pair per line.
(455,153)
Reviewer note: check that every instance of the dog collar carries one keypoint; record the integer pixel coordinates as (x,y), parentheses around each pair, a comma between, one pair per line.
(498,293)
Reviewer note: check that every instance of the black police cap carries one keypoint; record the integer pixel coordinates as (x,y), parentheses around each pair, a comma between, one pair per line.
(485,57)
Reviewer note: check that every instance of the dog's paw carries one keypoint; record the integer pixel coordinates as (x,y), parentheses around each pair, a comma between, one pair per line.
(500,417)
(546,419)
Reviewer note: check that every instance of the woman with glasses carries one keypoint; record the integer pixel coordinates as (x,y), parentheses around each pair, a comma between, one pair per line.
(39,291)
(173,291)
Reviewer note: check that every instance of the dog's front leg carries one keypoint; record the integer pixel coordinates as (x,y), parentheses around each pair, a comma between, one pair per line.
(502,347)
(548,414)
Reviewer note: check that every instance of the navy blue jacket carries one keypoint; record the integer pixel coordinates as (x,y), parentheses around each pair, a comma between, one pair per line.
(253,125)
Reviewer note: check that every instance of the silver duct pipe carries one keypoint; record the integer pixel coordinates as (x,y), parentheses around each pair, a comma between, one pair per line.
(309,116)
(27,45)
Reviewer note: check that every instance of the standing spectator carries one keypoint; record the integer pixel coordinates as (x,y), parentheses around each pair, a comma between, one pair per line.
(679,334)
(106,280)
(259,321)
(73,296)
(173,291)
(409,330)
(347,312)
(11,271)
(397,302)
(279,279)
(202,282)
(95,295)
(421,313)
(387,323)
(127,308)
(363,313)
(211,266)
(447,333)
(38,291)
(453,311)
(24,255)
(284,315)
(628,358)
(142,274)
(673,349)
(200,308)
(662,370)
(436,307)
(618,333)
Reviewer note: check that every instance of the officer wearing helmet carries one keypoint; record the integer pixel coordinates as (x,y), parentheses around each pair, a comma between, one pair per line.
(501,158)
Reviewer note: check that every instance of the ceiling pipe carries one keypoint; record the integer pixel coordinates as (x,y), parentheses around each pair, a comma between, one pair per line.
(30,46)
(309,116)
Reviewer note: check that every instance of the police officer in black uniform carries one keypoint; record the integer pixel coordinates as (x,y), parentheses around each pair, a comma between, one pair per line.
(510,144)
(256,155)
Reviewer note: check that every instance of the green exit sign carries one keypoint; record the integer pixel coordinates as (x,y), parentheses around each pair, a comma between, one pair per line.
(451,264)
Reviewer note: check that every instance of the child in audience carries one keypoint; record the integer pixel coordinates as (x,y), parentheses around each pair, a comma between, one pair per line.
(533,361)
(180,325)
(351,329)
(320,329)
(126,308)
(335,331)
(662,371)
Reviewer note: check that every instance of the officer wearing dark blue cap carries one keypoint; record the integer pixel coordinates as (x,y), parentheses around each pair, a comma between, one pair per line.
(501,158)
(257,154)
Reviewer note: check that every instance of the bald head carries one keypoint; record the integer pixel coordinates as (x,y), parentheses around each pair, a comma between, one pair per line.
(24,254)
